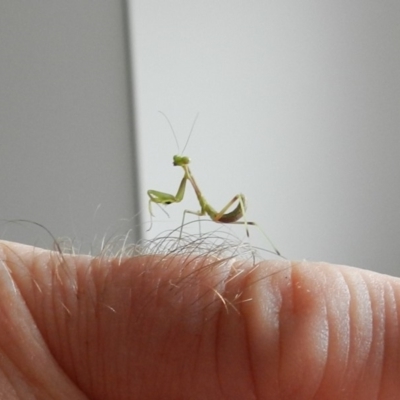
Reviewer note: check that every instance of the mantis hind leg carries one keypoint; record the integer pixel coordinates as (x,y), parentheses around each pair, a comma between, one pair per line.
(228,218)
(277,252)
(240,212)
(198,213)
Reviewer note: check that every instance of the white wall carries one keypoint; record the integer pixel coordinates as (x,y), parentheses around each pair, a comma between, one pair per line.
(66,152)
(299,109)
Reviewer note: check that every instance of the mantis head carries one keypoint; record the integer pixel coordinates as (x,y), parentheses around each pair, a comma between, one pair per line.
(180,161)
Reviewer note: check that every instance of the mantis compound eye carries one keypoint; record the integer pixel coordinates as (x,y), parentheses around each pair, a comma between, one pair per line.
(180,160)
(185,160)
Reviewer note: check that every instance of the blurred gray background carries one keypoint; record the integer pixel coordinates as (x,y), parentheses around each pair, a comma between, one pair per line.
(298,108)
(67,153)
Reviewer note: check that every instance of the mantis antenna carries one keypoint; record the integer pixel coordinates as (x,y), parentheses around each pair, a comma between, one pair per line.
(173,132)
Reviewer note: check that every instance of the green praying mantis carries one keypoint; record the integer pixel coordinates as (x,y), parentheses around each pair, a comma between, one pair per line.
(222,216)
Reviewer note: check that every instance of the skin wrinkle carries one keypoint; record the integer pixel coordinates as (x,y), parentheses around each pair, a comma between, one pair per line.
(218,340)
(123,303)
(217,287)
(251,288)
(73,331)
(325,338)
(395,337)
(234,368)
(14,378)
(228,315)
(106,320)
(218,283)
(362,310)
(251,365)
(361,331)
(277,327)
(141,323)
(11,369)
(87,296)
(391,334)
(261,318)
(54,299)
(130,328)
(369,306)
(115,328)
(188,291)
(304,331)
(7,390)
(349,331)
(60,294)
(147,277)
(39,299)
(205,360)
(81,331)
(377,352)
(21,325)
(195,365)
(179,294)
(338,334)
(92,295)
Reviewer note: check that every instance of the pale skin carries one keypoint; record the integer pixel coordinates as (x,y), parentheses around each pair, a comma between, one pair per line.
(157,327)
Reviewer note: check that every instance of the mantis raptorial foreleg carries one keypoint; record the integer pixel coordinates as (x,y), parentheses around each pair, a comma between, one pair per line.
(166,198)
